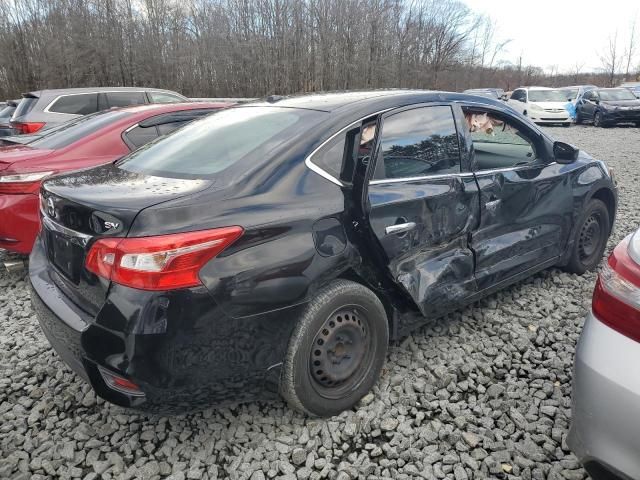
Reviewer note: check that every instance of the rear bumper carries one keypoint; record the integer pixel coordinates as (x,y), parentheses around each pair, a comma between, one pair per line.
(19,222)
(605,429)
(181,350)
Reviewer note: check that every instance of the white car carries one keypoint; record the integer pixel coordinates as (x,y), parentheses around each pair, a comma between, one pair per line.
(542,105)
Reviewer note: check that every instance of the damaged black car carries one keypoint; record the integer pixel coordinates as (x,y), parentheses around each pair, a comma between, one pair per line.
(277,247)
(606,107)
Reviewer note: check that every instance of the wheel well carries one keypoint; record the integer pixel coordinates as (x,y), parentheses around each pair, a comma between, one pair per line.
(351,274)
(606,196)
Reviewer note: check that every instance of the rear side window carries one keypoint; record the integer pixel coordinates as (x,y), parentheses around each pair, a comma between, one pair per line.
(124,99)
(238,137)
(25,106)
(71,132)
(161,97)
(139,136)
(418,142)
(79,104)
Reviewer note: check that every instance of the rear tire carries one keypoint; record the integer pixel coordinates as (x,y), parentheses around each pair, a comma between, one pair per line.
(590,238)
(336,351)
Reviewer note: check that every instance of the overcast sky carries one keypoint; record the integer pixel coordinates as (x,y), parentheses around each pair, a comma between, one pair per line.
(561,32)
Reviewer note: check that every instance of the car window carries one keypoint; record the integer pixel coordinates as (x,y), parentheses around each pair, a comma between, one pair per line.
(139,136)
(25,106)
(71,132)
(418,142)
(330,157)
(497,141)
(516,95)
(161,97)
(6,112)
(80,104)
(124,99)
(233,141)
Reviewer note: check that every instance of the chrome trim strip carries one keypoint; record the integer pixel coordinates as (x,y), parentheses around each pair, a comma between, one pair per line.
(425,177)
(513,169)
(315,168)
(56,227)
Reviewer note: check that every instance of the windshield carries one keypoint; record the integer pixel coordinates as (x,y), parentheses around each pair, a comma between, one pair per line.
(6,112)
(617,94)
(70,132)
(242,136)
(547,96)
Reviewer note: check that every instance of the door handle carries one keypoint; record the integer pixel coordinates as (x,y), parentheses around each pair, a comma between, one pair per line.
(400,228)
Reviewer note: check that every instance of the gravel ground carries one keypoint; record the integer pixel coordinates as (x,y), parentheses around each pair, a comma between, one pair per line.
(484,393)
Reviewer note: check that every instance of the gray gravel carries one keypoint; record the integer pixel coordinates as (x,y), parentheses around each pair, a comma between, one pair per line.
(484,393)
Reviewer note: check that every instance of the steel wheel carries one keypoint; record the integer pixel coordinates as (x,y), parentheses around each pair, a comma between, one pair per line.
(340,347)
(590,237)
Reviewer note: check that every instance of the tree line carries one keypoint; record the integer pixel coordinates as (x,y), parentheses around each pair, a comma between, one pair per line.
(248,48)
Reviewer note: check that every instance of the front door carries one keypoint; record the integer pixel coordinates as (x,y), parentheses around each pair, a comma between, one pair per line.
(422,208)
(525,199)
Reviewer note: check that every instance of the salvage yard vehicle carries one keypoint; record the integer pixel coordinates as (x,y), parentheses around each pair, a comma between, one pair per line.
(46,108)
(278,246)
(608,106)
(86,142)
(606,381)
(5,117)
(542,105)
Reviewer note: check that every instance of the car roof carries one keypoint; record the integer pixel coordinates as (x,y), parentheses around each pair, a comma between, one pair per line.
(172,107)
(66,91)
(367,100)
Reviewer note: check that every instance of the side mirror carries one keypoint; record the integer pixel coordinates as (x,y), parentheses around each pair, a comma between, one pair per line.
(523,100)
(565,153)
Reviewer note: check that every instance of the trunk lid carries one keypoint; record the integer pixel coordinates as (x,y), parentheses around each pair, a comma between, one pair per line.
(80,207)
(20,153)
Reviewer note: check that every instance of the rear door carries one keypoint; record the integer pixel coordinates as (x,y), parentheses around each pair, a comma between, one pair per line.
(525,198)
(422,207)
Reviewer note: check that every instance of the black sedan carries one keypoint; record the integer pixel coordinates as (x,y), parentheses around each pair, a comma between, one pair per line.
(279,246)
(608,106)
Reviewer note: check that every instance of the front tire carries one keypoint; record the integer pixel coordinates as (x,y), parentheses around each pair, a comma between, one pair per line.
(578,118)
(336,351)
(590,238)
(597,120)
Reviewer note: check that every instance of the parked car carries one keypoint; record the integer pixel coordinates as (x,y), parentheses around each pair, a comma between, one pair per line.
(542,105)
(606,381)
(495,93)
(278,246)
(46,108)
(574,92)
(608,106)
(5,117)
(93,140)
(633,86)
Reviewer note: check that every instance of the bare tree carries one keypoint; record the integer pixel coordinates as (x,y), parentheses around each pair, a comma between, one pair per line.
(610,59)
(630,50)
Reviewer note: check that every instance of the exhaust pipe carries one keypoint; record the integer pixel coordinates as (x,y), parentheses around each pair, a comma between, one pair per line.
(14,266)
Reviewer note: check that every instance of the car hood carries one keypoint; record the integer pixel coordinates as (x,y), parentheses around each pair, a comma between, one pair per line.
(551,104)
(621,103)
(19,154)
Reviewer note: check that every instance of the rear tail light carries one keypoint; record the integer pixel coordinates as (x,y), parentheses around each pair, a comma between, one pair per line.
(120,384)
(22,182)
(164,262)
(24,128)
(616,299)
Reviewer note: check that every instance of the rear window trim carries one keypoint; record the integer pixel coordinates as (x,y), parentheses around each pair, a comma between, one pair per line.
(319,170)
(46,109)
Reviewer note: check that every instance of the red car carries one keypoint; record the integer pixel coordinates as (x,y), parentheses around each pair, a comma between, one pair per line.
(86,142)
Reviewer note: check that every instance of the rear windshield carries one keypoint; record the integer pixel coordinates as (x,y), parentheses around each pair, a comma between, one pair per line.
(234,137)
(6,112)
(70,132)
(25,106)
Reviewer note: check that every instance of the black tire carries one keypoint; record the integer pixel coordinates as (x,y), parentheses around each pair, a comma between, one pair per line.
(566,124)
(336,350)
(590,238)
(597,120)
(578,119)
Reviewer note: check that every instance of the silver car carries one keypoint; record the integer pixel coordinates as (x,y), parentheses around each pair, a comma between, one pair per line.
(46,108)
(605,429)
